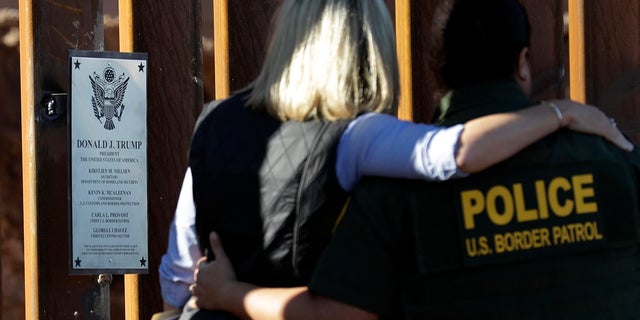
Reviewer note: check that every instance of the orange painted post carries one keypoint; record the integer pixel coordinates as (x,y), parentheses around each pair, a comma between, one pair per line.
(131,297)
(169,32)
(221,48)
(46,35)
(577,82)
(27,81)
(125,25)
(403,36)
(131,281)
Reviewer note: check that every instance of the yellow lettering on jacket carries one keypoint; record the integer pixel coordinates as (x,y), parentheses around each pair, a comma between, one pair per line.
(502,204)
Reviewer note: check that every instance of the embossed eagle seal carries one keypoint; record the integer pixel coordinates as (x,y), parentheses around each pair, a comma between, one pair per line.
(108,94)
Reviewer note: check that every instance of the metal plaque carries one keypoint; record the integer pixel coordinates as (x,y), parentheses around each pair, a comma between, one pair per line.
(108,162)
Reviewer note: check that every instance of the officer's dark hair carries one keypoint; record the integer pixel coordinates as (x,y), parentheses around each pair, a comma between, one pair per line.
(477,40)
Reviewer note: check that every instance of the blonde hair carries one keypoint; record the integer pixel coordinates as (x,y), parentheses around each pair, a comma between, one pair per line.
(329,59)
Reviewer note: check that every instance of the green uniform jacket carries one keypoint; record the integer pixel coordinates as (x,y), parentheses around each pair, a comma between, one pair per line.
(551,233)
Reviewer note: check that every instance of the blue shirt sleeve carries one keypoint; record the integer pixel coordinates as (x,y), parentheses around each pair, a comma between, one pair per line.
(179,262)
(382,145)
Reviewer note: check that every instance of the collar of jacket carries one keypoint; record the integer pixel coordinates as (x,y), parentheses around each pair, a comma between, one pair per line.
(467,103)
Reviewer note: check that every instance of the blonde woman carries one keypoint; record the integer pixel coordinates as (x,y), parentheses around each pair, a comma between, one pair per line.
(263,169)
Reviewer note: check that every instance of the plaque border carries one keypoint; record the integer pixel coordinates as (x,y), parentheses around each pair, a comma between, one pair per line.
(102,55)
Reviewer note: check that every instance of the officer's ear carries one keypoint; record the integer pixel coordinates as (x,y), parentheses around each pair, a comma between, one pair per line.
(523,71)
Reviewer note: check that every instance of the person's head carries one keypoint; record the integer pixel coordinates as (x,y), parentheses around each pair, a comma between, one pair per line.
(329,59)
(481,40)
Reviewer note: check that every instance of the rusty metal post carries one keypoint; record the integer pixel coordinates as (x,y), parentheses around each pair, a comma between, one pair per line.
(102,306)
(169,31)
(46,35)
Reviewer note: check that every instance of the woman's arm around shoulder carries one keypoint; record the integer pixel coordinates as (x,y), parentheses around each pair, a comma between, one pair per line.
(490,139)
(382,145)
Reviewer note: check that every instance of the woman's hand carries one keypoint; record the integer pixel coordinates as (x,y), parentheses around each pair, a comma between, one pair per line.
(216,288)
(589,119)
(212,278)
(488,140)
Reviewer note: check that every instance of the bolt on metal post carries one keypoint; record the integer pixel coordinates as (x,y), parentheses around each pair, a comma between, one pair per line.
(102,303)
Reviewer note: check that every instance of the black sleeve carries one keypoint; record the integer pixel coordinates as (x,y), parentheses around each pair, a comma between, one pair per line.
(360,267)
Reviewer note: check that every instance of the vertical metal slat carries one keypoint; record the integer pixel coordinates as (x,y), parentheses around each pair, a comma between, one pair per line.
(27,84)
(221,48)
(403,38)
(577,82)
(131,281)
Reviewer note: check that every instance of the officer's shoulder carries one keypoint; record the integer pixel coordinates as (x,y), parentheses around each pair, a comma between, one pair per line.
(386,185)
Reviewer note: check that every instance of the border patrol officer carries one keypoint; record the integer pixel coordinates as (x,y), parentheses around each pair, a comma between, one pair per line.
(549,233)
(541,235)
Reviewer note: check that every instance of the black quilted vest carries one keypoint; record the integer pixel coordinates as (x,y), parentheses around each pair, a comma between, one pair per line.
(268,188)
